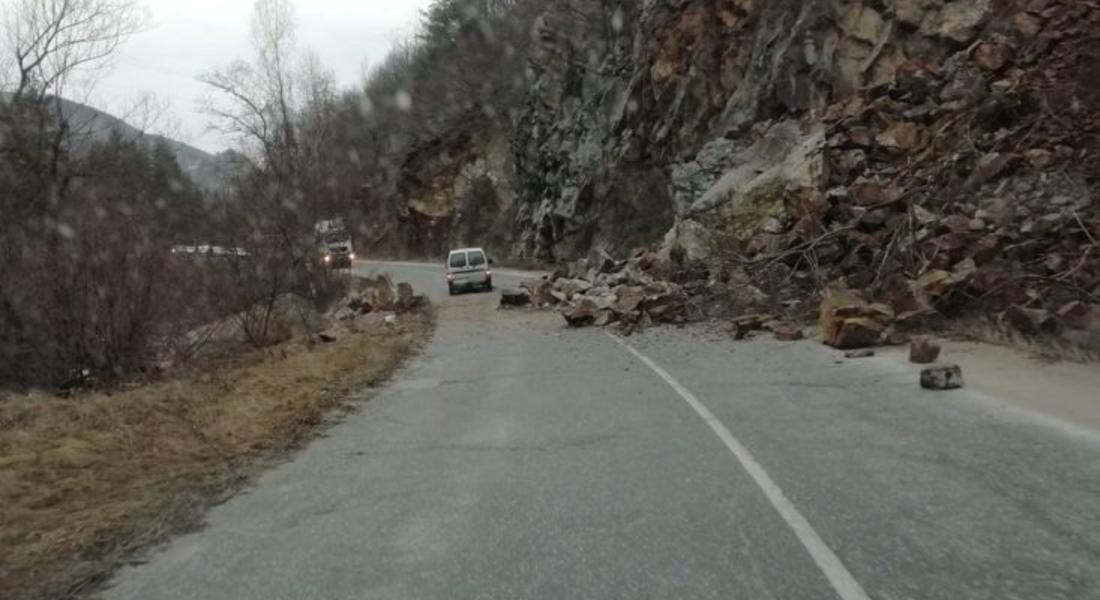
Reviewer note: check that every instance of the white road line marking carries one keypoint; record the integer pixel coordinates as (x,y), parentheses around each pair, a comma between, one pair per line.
(838,575)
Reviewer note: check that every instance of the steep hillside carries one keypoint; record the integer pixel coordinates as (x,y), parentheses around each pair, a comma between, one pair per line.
(880,140)
(210,172)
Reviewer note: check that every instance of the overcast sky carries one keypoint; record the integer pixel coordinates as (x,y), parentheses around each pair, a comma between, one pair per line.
(189,37)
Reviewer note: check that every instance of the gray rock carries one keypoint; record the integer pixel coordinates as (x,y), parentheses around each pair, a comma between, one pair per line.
(511,297)
(942,377)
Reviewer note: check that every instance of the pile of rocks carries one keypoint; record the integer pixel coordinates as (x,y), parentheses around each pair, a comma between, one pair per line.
(378,295)
(628,294)
(951,191)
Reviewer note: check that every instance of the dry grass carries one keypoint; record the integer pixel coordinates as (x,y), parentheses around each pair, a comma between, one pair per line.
(84,482)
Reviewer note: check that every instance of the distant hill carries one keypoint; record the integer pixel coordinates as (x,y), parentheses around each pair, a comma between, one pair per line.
(211,172)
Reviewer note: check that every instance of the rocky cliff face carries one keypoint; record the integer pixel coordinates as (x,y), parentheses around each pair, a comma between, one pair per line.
(932,151)
(454,192)
(614,152)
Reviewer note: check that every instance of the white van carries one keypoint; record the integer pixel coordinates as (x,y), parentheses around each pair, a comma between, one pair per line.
(469,269)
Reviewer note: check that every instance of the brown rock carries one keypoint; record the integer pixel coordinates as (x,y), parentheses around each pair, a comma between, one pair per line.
(942,377)
(987,248)
(582,313)
(956,223)
(628,298)
(788,333)
(910,13)
(895,336)
(572,287)
(378,291)
(959,20)
(992,56)
(900,137)
(922,351)
(934,283)
(644,260)
(1039,158)
(990,166)
(665,302)
(604,318)
(962,271)
(847,321)
(866,192)
(540,292)
(860,136)
(360,304)
(923,215)
(877,311)
(745,325)
(999,211)
(858,332)
(1054,263)
(1028,25)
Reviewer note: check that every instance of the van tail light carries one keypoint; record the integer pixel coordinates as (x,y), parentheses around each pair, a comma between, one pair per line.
(488,273)
(450,277)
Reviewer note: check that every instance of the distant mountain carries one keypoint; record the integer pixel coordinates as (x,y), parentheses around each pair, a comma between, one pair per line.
(211,172)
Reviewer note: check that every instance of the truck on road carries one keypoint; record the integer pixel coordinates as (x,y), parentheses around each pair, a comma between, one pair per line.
(334,244)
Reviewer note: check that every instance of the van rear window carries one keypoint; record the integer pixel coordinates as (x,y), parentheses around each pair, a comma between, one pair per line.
(476,259)
(458,260)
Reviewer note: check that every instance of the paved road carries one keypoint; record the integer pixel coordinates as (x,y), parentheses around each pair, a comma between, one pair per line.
(515,459)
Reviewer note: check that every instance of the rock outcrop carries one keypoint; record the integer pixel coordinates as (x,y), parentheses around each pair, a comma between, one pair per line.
(937,156)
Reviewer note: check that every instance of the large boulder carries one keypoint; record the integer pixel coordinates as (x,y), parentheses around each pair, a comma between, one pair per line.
(628,299)
(539,289)
(572,287)
(379,292)
(665,302)
(849,322)
(583,313)
(408,299)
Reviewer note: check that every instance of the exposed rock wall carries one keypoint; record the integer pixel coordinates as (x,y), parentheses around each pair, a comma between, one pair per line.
(699,116)
(456,191)
(612,152)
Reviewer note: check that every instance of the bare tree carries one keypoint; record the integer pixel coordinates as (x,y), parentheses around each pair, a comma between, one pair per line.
(262,102)
(256,101)
(50,41)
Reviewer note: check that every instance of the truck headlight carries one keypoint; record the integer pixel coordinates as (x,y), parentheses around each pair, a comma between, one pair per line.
(328,258)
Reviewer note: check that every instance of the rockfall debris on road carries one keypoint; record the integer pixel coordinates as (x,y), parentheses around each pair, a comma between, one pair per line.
(374,302)
(626,294)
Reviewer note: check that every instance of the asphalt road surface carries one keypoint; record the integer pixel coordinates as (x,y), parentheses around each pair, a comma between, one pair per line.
(516,459)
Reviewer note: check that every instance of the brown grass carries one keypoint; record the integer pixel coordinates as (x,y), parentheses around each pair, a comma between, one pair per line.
(84,482)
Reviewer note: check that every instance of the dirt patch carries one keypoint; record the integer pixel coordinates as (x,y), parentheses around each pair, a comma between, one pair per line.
(86,481)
